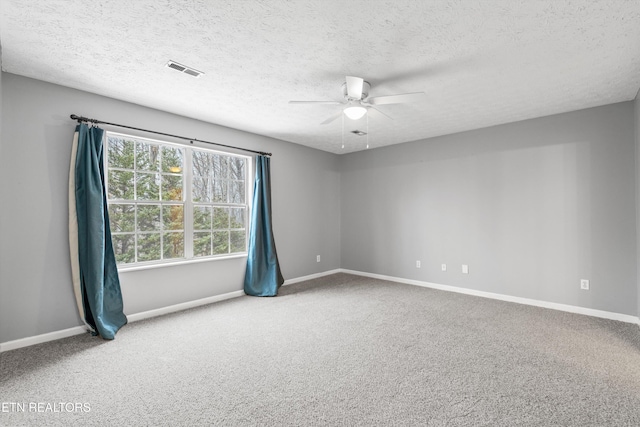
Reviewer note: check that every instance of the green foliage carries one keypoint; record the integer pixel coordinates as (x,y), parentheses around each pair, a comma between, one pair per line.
(122,217)
(120,153)
(238,241)
(173,217)
(237,218)
(141,171)
(173,245)
(220,218)
(147,157)
(220,242)
(201,244)
(148,218)
(148,246)
(124,247)
(121,185)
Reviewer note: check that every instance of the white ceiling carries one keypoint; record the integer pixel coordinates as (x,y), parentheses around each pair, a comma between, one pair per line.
(480,63)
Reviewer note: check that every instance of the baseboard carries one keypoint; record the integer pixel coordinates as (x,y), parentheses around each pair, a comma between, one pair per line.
(38,339)
(135,317)
(526,301)
(78,330)
(311,277)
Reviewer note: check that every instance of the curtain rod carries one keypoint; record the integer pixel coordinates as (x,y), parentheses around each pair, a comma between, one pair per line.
(85,119)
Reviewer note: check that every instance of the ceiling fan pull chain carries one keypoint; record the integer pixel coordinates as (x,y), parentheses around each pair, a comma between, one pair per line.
(342,131)
(367,131)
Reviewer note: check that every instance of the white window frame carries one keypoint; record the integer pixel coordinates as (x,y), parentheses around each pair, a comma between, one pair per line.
(187,202)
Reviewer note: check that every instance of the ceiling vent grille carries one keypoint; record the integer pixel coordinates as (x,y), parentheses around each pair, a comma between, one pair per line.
(184,69)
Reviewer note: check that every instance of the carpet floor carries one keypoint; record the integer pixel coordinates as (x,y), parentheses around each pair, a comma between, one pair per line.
(339,350)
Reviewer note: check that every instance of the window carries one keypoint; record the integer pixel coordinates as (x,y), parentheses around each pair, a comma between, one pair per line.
(170,202)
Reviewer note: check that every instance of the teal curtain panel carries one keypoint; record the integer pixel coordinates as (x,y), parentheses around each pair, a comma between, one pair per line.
(263,276)
(95,275)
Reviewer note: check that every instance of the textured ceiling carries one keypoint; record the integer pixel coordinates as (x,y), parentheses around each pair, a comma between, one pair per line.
(480,63)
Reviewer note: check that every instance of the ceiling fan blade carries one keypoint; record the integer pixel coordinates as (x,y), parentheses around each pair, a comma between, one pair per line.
(354,87)
(332,118)
(373,112)
(397,99)
(316,102)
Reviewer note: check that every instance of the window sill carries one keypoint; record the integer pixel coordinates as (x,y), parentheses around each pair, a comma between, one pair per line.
(125,269)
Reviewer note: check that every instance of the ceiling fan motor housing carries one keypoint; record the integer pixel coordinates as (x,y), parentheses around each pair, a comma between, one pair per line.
(365,91)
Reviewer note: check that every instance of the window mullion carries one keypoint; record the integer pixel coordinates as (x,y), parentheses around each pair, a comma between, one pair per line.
(188,204)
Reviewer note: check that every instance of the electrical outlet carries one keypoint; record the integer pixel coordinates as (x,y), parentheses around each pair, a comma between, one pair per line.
(417,264)
(318,258)
(465,269)
(443,267)
(584,284)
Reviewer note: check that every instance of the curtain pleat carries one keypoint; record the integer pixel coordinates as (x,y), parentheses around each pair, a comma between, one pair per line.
(263,276)
(94,272)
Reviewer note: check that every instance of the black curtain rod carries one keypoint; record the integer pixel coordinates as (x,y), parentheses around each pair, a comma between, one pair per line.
(81,119)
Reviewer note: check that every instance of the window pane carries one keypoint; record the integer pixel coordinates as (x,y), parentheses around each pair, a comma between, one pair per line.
(236,192)
(236,218)
(220,167)
(201,189)
(220,190)
(172,160)
(120,153)
(124,247)
(173,217)
(148,187)
(220,218)
(220,242)
(120,185)
(147,157)
(173,245)
(147,202)
(171,187)
(122,217)
(148,247)
(201,218)
(148,217)
(238,239)
(201,244)
(236,168)
(202,172)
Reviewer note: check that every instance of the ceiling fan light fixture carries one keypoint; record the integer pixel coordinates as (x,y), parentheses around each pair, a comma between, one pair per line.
(355,112)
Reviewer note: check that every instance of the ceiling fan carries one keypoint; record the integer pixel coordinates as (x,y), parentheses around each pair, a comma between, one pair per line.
(358,103)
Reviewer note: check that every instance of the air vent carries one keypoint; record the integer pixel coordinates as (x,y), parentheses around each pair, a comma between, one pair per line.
(184,69)
(358,132)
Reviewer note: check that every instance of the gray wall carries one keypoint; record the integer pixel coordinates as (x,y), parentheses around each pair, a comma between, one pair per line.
(36,294)
(532,207)
(636,120)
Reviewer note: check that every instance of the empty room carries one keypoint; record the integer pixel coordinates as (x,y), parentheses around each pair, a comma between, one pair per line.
(320,212)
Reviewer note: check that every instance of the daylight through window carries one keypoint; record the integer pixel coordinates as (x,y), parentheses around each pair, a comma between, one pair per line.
(170,202)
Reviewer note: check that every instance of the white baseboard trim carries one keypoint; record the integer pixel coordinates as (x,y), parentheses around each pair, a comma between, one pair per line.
(526,301)
(38,339)
(311,277)
(135,317)
(78,330)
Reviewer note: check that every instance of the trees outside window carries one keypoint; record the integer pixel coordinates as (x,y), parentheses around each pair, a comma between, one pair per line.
(169,202)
